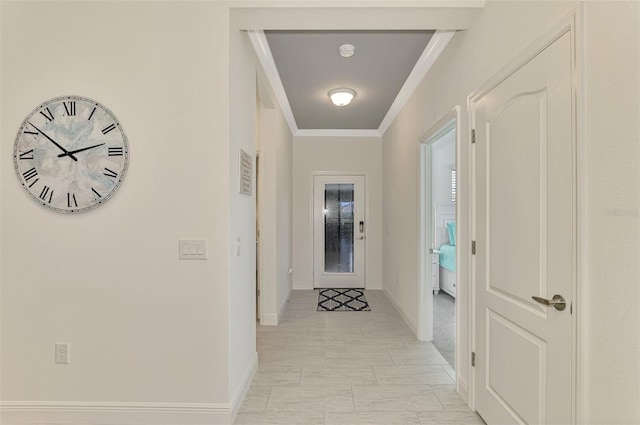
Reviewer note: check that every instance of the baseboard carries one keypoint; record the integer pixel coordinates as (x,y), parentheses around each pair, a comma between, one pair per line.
(283,305)
(117,413)
(269,320)
(106,413)
(302,285)
(274,319)
(373,285)
(463,389)
(238,397)
(406,319)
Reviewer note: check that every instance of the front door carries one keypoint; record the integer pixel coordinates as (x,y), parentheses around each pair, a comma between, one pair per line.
(339,232)
(525,241)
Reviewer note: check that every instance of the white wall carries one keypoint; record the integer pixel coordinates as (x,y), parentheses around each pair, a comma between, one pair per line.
(611,327)
(242,218)
(276,151)
(284,222)
(267,216)
(147,332)
(344,154)
(609,359)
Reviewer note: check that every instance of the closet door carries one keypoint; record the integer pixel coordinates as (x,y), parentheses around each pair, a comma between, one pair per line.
(524,267)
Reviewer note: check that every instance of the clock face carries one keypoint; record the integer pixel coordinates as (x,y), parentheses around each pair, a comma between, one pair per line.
(71,154)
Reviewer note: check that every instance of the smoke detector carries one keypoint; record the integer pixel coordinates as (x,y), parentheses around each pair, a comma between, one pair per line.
(347,50)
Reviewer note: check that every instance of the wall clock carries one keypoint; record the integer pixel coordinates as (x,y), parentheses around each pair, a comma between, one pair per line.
(71,154)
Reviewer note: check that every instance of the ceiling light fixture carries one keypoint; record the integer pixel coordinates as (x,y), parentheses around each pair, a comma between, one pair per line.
(342,96)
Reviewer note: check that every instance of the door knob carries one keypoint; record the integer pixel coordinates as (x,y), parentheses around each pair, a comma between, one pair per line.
(558,302)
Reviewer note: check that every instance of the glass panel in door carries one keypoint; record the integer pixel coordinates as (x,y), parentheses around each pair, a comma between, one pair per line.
(338,228)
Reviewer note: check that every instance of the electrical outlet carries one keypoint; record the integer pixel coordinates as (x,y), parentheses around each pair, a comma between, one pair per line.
(62,353)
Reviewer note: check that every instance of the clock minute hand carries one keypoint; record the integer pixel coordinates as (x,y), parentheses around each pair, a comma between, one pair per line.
(70,153)
(55,143)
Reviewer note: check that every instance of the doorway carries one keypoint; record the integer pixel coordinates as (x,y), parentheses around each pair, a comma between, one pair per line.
(439,313)
(442,169)
(339,231)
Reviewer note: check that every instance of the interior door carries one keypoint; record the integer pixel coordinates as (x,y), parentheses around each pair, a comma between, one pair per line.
(339,232)
(525,241)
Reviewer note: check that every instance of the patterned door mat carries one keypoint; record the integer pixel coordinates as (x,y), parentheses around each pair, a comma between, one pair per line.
(342,300)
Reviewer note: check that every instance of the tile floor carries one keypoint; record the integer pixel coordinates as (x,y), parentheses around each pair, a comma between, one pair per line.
(347,368)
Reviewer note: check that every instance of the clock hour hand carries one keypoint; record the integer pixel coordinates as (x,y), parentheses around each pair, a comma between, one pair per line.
(70,153)
(54,142)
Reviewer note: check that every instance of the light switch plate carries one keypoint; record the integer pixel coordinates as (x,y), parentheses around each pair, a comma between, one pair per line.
(193,249)
(62,353)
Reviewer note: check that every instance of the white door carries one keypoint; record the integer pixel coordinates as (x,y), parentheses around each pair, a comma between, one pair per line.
(339,232)
(525,241)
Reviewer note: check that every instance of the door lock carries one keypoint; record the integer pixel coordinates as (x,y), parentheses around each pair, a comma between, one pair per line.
(558,302)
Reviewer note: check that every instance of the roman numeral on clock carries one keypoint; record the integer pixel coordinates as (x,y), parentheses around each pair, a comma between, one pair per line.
(47,114)
(33,133)
(116,151)
(108,129)
(29,174)
(27,155)
(91,114)
(71,200)
(46,191)
(70,108)
(96,195)
(110,173)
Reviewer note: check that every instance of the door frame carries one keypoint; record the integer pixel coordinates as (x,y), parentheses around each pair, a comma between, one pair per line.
(572,24)
(259,273)
(312,177)
(425,292)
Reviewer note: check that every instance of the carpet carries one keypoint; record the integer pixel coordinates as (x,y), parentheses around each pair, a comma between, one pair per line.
(444,326)
(342,300)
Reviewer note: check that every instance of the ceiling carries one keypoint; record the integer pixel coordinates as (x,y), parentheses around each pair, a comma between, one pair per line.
(309,66)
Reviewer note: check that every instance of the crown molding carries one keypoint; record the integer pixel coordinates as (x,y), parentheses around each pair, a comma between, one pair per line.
(263,52)
(337,133)
(436,46)
(356,3)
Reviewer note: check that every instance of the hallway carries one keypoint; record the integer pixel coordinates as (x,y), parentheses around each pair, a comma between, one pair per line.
(344,368)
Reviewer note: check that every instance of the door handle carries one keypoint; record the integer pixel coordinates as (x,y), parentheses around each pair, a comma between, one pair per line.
(558,302)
